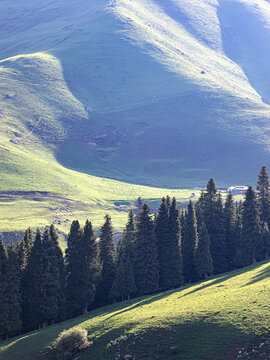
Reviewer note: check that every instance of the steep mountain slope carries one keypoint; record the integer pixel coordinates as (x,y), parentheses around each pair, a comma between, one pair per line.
(212,320)
(35,190)
(154,92)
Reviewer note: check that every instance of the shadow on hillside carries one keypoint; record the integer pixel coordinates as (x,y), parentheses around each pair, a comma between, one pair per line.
(194,340)
(261,276)
(246,42)
(146,301)
(211,282)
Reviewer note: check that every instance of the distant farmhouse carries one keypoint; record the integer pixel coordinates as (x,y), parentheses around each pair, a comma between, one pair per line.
(237,190)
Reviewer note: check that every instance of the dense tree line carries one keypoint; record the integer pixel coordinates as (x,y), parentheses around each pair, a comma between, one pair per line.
(39,285)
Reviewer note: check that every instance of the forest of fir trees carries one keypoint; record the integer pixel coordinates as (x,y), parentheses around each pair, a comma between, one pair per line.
(39,285)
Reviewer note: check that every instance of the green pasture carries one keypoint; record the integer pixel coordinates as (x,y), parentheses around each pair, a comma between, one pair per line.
(207,320)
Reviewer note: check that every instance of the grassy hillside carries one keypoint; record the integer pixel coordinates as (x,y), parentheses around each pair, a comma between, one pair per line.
(168,93)
(146,92)
(208,320)
(39,111)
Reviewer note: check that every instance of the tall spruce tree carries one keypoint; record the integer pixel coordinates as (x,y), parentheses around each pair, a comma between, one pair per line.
(13,291)
(174,267)
(51,289)
(74,270)
(128,237)
(91,266)
(239,258)
(124,284)
(145,254)
(108,261)
(32,286)
(264,195)
(199,207)
(183,218)
(162,240)
(168,237)
(3,291)
(212,215)
(189,242)
(251,237)
(230,223)
(62,273)
(24,247)
(202,253)
(265,241)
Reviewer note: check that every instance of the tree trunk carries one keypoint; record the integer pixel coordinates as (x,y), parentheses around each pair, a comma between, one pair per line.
(205,275)
(44,324)
(253,260)
(85,310)
(53,322)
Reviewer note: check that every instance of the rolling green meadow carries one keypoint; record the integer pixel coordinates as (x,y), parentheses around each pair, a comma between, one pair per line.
(102,102)
(207,320)
(92,98)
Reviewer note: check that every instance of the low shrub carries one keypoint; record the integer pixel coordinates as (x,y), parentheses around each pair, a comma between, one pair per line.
(68,343)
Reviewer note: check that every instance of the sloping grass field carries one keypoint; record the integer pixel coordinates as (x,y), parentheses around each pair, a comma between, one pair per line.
(35,188)
(208,320)
(146,92)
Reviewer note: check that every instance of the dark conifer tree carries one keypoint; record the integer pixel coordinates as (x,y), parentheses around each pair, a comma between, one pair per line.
(202,254)
(189,242)
(174,268)
(13,291)
(51,289)
(183,222)
(3,291)
(91,266)
(251,237)
(145,254)
(212,216)
(124,284)
(108,261)
(264,195)
(162,239)
(24,248)
(199,207)
(230,223)
(265,241)
(74,270)
(168,200)
(62,273)
(32,286)
(128,238)
(239,258)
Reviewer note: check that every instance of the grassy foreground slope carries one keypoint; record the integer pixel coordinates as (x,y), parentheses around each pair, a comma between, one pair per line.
(208,320)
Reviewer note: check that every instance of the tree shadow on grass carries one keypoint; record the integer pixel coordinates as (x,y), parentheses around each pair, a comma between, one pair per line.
(221,278)
(210,282)
(194,340)
(263,274)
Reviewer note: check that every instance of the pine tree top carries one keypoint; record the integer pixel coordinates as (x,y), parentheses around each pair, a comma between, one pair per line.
(211,186)
(3,255)
(263,180)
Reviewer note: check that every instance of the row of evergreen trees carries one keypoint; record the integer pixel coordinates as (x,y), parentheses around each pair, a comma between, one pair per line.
(38,285)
